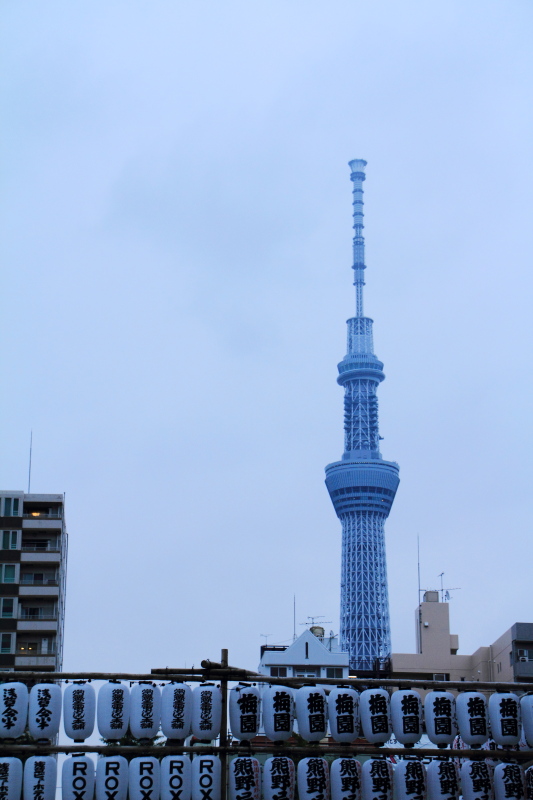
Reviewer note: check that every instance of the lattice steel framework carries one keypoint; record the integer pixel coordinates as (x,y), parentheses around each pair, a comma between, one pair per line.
(362,485)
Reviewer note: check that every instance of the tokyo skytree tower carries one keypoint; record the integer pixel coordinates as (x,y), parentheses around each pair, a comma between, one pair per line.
(362,485)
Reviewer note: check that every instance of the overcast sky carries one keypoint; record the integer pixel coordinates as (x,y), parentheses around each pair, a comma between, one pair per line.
(176,244)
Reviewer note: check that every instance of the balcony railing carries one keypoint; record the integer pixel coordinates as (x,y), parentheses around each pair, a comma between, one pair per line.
(51,548)
(35,650)
(29,580)
(42,515)
(44,615)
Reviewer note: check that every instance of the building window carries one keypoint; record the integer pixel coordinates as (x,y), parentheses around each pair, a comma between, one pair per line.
(525,655)
(306,672)
(8,605)
(5,643)
(7,573)
(11,507)
(334,672)
(9,540)
(278,672)
(441,676)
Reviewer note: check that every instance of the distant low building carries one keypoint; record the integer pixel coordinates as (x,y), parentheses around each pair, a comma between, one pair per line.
(33,563)
(311,655)
(509,658)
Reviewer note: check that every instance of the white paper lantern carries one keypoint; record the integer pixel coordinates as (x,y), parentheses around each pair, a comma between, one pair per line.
(312,713)
(244,779)
(13,709)
(472,718)
(374,707)
(112,775)
(505,718)
(77,778)
(40,774)
(206,781)
(406,716)
(145,710)
(113,710)
(206,711)
(345,778)
(44,713)
(476,780)
(509,782)
(343,714)
(79,705)
(278,713)
(409,780)
(10,778)
(526,709)
(176,778)
(376,779)
(313,779)
(529,783)
(176,710)
(244,711)
(442,780)
(144,778)
(439,713)
(279,778)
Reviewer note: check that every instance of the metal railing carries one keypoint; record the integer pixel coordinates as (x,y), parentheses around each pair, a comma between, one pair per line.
(41,615)
(49,548)
(29,580)
(41,515)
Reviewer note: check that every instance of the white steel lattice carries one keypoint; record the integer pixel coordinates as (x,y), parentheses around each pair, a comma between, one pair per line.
(361,416)
(365,624)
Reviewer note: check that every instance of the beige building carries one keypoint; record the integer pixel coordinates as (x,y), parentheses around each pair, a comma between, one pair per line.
(509,658)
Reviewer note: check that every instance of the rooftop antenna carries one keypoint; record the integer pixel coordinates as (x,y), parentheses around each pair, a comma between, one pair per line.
(294,618)
(265,636)
(325,622)
(29,467)
(440,575)
(419,590)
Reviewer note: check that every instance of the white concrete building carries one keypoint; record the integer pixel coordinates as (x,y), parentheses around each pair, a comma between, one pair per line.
(311,655)
(33,560)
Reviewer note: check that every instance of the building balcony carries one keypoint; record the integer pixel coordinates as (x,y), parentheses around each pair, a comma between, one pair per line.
(45,615)
(40,557)
(31,627)
(49,548)
(26,580)
(30,661)
(42,515)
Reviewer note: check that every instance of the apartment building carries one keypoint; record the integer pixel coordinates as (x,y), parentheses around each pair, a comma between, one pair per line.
(33,560)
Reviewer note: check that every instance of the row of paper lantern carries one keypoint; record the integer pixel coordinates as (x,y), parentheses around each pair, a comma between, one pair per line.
(179,710)
(179,778)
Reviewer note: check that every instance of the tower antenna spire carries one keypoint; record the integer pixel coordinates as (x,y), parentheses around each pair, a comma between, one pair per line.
(357,176)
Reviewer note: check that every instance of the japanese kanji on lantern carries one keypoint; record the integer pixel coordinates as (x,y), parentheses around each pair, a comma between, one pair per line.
(176,778)
(410,780)
(145,710)
(44,714)
(345,779)
(206,776)
(406,716)
(476,780)
(439,713)
(526,710)
(376,779)
(206,711)
(79,706)
(278,713)
(176,710)
(244,779)
(144,778)
(279,778)
(10,778)
(113,710)
(472,718)
(505,718)
(244,711)
(375,715)
(343,713)
(442,780)
(40,773)
(112,776)
(77,778)
(311,713)
(13,709)
(509,782)
(313,779)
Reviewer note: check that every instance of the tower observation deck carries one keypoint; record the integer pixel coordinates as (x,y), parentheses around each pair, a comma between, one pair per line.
(362,486)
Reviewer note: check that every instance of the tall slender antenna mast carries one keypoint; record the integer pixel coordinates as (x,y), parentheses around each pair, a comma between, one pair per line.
(29,468)
(294,618)
(419,590)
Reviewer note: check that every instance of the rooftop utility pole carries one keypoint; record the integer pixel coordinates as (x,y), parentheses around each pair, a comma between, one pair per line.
(362,486)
